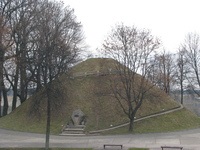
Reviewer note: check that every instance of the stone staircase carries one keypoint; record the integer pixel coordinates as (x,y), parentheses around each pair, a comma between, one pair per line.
(77,130)
(76,125)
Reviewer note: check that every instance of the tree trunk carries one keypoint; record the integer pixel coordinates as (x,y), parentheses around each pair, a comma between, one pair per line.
(132,116)
(1,73)
(5,101)
(0,102)
(131,125)
(48,91)
(23,76)
(38,79)
(181,90)
(14,102)
(23,87)
(15,86)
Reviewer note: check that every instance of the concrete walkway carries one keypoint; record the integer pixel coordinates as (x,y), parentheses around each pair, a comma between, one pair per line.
(190,140)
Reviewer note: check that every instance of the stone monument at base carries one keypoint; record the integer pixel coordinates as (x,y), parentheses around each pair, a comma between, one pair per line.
(78,117)
(77,124)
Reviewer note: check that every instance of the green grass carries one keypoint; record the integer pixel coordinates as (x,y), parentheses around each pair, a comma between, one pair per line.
(180,120)
(176,121)
(63,149)
(44,148)
(138,149)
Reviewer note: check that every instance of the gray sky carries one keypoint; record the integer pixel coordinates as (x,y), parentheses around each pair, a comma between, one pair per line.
(169,20)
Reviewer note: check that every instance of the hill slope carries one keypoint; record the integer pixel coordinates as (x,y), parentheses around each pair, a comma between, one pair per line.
(87,88)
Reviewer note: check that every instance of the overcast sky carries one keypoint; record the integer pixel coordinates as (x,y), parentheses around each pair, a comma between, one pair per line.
(169,20)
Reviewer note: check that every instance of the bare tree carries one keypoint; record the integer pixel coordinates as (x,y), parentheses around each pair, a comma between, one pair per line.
(58,38)
(131,48)
(21,22)
(6,10)
(181,70)
(164,70)
(2,47)
(191,48)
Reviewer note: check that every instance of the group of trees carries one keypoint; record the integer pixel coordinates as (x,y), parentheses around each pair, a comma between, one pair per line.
(179,70)
(39,39)
(136,52)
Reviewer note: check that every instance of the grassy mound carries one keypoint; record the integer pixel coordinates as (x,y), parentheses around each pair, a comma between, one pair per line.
(86,87)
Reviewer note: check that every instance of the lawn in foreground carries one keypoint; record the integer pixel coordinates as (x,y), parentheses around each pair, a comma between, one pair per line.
(63,149)
(44,149)
(138,149)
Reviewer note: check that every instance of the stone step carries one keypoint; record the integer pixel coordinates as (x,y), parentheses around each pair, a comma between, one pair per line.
(77,126)
(68,134)
(73,129)
(80,129)
(73,132)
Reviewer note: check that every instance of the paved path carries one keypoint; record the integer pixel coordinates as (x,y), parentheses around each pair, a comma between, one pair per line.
(190,140)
